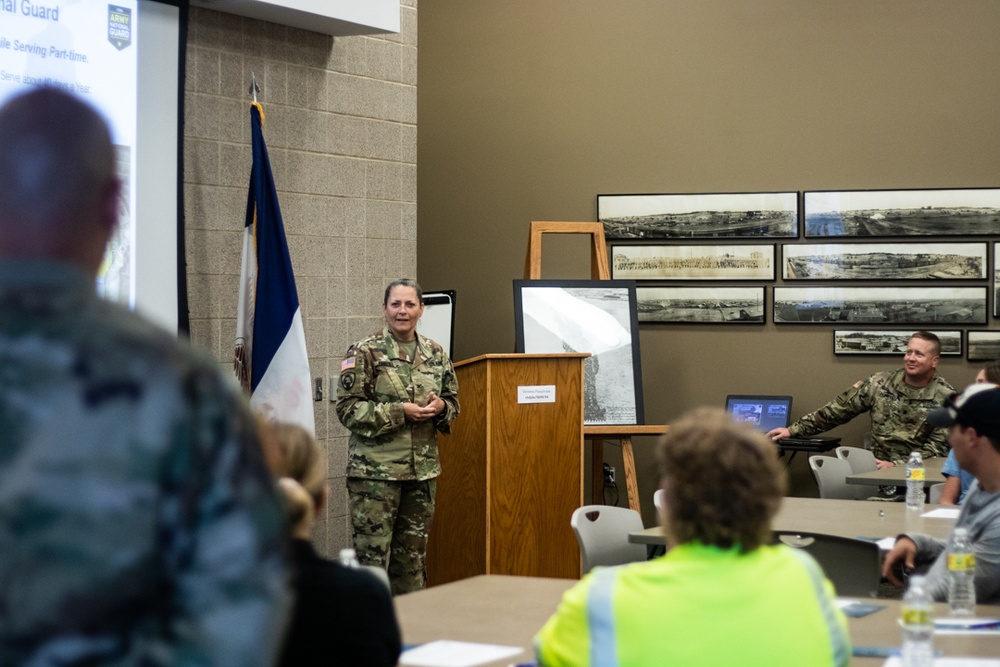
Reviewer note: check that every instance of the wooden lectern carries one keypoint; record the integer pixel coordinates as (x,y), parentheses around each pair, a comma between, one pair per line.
(512,471)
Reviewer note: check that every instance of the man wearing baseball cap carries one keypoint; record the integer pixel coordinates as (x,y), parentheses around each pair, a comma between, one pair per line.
(973,420)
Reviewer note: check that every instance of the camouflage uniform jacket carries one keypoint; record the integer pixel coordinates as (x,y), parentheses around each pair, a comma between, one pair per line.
(370,396)
(897,413)
(138,524)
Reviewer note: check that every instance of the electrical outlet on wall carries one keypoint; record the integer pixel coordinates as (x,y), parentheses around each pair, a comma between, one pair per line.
(609,474)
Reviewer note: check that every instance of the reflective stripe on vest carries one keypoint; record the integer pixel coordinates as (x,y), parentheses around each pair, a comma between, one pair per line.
(601,619)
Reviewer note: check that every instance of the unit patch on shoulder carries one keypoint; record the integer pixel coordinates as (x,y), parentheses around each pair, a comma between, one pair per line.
(347,381)
(347,363)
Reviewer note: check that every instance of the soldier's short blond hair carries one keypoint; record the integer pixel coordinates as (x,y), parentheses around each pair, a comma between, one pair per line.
(722,481)
(930,338)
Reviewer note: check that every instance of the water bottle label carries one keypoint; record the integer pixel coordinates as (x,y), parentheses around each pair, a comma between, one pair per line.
(911,616)
(916,474)
(961,562)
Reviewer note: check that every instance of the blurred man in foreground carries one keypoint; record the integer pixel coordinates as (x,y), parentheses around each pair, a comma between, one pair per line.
(138,524)
(973,420)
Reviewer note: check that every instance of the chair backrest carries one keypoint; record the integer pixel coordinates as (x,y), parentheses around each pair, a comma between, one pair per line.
(659,499)
(602,531)
(853,566)
(831,477)
(860,460)
(934,493)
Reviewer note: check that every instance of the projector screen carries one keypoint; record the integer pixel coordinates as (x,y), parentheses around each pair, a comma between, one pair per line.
(97,50)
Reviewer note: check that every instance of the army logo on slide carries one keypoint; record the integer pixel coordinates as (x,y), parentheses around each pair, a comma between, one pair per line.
(119,26)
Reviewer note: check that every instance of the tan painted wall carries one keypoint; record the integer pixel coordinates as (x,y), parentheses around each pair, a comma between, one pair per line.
(529,109)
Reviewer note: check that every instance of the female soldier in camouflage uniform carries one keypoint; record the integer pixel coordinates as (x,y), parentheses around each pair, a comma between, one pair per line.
(396,390)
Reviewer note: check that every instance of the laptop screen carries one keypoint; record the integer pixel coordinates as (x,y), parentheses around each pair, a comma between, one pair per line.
(764,412)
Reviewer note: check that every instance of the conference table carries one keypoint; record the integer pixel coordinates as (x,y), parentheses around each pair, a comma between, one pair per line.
(508,611)
(866,519)
(896,475)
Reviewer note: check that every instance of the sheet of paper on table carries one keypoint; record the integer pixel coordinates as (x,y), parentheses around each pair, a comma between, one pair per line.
(447,653)
(942,513)
(897,661)
(886,543)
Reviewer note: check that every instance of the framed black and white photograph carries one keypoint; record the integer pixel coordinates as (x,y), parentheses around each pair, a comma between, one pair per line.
(692,262)
(959,212)
(700,216)
(996,280)
(884,341)
(596,316)
(880,305)
(701,305)
(883,261)
(984,345)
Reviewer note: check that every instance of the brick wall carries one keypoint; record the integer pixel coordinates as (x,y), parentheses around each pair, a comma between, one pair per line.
(340,126)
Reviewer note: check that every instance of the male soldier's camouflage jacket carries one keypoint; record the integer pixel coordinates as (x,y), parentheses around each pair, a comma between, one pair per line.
(138,525)
(898,413)
(375,381)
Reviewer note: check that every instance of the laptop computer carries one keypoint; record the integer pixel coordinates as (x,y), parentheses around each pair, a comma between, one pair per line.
(771,412)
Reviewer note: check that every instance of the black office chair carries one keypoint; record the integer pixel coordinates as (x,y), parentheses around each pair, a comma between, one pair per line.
(854,566)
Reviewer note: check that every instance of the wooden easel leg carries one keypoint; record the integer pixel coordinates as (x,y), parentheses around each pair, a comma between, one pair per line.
(628,462)
(597,472)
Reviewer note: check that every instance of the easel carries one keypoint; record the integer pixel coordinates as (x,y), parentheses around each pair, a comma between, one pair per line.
(597,434)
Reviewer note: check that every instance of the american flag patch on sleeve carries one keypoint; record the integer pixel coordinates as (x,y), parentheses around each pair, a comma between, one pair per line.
(347,363)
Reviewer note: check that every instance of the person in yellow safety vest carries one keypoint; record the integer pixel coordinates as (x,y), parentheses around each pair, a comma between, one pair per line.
(721,595)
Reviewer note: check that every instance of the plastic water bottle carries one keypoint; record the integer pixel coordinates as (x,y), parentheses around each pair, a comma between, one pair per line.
(961,574)
(348,558)
(917,620)
(915,482)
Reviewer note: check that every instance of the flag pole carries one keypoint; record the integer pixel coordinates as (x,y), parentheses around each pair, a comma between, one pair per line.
(254,88)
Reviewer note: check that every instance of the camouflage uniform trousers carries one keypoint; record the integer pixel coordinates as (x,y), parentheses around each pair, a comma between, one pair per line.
(390,521)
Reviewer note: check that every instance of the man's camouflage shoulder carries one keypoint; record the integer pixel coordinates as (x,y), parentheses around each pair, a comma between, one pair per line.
(942,384)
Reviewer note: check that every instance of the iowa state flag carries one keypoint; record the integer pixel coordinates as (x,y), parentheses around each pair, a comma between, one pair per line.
(271,361)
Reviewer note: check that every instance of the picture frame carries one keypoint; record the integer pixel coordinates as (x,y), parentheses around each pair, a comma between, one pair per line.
(693,262)
(983,345)
(596,316)
(880,305)
(890,341)
(884,261)
(701,305)
(944,212)
(996,280)
(699,216)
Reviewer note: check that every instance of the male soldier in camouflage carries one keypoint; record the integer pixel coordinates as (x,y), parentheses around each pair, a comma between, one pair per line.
(396,390)
(138,524)
(898,402)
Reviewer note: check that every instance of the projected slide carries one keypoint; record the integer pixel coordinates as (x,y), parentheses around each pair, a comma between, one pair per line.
(87,47)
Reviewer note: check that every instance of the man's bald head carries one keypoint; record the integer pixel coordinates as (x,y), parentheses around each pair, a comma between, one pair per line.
(58,190)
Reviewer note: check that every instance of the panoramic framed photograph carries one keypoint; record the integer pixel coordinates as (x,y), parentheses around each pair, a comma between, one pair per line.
(883,261)
(596,316)
(984,345)
(701,305)
(692,262)
(882,341)
(960,212)
(700,216)
(879,305)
